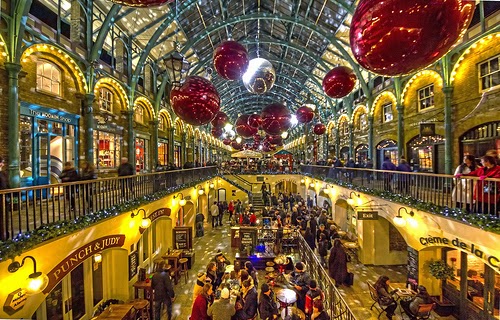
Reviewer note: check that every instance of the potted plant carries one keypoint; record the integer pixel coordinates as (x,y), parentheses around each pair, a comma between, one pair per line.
(440,270)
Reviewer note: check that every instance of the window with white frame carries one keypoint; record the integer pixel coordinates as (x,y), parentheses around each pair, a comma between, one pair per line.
(387,112)
(161,124)
(489,73)
(105,100)
(48,77)
(426,97)
(139,114)
(363,121)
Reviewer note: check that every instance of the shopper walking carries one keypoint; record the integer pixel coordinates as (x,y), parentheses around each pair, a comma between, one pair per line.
(69,174)
(163,291)
(88,173)
(337,263)
(214,211)
(126,169)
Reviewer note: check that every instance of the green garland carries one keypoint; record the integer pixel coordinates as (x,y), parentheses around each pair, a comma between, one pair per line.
(482,221)
(9,249)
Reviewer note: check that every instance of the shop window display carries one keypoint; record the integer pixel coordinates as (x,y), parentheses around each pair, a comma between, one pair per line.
(162,153)
(48,78)
(25,146)
(105,100)
(108,147)
(140,154)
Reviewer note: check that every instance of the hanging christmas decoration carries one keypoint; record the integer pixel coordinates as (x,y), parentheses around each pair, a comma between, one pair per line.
(242,128)
(339,82)
(319,128)
(230,60)
(255,121)
(275,119)
(394,37)
(217,132)
(304,114)
(220,120)
(196,102)
(274,139)
(141,3)
(226,141)
(236,145)
(260,76)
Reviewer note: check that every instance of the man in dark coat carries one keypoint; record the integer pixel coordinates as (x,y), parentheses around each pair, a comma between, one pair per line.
(268,309)
(389,166)
(69,174)
(125,169)
(248,301)
(163,291)
(300,280)
(337,263)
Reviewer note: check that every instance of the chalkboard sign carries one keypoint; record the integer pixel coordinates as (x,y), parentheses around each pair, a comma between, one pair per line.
(412,266)
(183,238)
(248,238)
(133,264)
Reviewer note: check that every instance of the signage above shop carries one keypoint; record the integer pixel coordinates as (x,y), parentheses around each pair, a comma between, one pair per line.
(162,212)
(427,129)
(15,301)
(39,112)
(367,215)
(81,254)
(109,127)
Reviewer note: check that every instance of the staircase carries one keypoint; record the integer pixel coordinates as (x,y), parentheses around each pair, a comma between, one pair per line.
(257,201)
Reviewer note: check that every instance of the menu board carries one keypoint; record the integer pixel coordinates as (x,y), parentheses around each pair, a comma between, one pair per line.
(248,238)
(133,264)
(412,264)
(183,237)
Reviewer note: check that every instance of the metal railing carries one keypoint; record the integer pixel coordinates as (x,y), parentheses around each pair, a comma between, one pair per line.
(333,299)
(468,193)
(26,209)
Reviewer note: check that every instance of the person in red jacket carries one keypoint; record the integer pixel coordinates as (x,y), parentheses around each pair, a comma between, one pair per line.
(487,193)
(230,209)
(200,305)
(253,219)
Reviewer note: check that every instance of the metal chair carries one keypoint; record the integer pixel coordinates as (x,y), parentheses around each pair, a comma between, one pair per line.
(424,311)
(376,300)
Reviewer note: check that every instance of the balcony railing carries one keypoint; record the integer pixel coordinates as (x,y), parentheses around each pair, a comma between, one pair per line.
(451,196)
(26,209)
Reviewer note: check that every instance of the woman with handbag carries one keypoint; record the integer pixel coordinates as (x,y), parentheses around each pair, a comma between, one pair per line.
(385,298)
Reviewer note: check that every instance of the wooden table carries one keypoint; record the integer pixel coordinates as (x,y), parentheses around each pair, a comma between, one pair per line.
(173,260)
(116,311)
(145,286)
(401,291)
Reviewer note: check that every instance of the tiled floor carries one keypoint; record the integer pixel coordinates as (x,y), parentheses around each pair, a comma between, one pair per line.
(357,296)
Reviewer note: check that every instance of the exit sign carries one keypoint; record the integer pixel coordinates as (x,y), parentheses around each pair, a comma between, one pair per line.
(367,215)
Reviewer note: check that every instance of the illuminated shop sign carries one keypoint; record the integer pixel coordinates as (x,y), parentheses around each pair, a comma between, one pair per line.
(39,112)
(81,254)
(456,243)
(162,212)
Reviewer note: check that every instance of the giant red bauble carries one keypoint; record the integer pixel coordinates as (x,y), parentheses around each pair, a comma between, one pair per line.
(319,128)
(396,37)
(339,82)
(304,114)
(242,128)
(274,139)
(226,141)
(217,132)
(141,3)
(230,60)
(275,119)
(196,102)
(254,120)
(220,120)
(236,145)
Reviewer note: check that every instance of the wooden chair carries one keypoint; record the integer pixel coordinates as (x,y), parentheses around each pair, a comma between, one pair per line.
(376,301)
(183,268)
(424,310)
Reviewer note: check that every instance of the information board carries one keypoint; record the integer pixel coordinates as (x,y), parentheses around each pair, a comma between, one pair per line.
(133,264)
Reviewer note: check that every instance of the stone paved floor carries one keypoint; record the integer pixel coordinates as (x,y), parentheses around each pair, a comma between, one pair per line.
(357,296)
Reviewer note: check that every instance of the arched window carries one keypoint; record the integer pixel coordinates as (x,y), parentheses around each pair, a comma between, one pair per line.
(161,124)
(139,114)
(363,122)
(48,77)
(106,100)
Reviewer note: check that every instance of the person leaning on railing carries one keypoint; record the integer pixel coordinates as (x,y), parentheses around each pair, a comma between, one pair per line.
(462,192)
(486,193)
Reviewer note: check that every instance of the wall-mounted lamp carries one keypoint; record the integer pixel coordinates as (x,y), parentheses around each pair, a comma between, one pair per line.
(400,221)
(182,201)
(37,281)
(312,185)
(350,200)
(211,185)
(200,190)
(302,181)
(97,258)
(145,222)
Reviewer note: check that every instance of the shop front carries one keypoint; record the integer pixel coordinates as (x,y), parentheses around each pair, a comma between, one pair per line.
(387,148)
(426,153)
(142,142)
(361,153)
(48,139)
(344,154)
(478,140)
(108,143)
(177,154)
(162,152)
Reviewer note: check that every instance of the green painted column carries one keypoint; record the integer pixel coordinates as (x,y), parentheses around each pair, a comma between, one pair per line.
(88,109)
(13,70)
(337,143)
(154,143)
(401,130)
(130,136)
(171,145)
(371,146)
(448,131)
(351,141)
(184,149)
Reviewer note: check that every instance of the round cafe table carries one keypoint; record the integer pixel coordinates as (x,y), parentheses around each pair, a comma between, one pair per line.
(294,311)
(286,297)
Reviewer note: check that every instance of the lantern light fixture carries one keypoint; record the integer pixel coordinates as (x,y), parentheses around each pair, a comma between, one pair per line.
(145,222)
(182,201)
(350,201)
(401,222)
(37,281)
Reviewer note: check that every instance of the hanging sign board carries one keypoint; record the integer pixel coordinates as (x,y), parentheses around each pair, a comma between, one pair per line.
(15,301)
(427,129)
(367,215)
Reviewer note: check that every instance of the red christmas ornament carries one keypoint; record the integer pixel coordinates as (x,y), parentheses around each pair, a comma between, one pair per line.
(217,132)
(141,3)
(339,82)
(304,114)
(275,119)
(230,60)
(319,128)
(274,139)
(255,121)
(242,128)
(236,145)
(220,120)
(226,141)
(196,102)
(394,37)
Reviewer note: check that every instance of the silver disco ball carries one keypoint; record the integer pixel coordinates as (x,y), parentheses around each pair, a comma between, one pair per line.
(260,76)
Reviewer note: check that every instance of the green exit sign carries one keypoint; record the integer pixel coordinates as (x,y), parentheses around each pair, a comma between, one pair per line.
(367,215)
